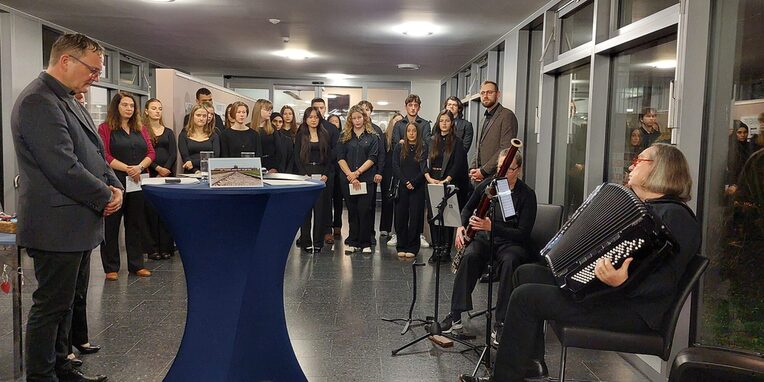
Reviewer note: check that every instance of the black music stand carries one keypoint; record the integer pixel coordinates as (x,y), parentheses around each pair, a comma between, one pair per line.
(408,321)
(433,325)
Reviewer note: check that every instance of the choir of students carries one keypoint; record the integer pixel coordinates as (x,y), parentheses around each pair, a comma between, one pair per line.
(350,159)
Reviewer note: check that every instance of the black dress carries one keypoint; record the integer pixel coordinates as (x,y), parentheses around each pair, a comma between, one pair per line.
(409,209)
(190,149)
(271,155)
(166,153)
(234,142)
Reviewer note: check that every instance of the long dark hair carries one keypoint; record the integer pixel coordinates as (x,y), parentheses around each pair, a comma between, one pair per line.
(114,119)
(438,139)
(292,125)
(418,145)
(304,137)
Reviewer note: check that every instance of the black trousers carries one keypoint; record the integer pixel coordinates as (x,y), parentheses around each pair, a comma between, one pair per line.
(78,335)
(537,298)
(319,214)
(507,258)
(373,212)
(135,227)
(159,238)
(409,218)
(337,195)
(50,317)
(359,216)
(388,204)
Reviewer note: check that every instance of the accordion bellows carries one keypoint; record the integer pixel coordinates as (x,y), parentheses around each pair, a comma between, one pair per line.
(611,223)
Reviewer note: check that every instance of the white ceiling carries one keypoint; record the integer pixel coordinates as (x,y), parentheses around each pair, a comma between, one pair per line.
(234,37)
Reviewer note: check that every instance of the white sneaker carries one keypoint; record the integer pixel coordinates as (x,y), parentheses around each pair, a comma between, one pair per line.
(367,250)
(423,242)
(350,248)
(393,241)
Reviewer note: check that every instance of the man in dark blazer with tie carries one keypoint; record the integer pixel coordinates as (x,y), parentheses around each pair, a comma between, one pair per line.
(498,128)
(462,127)
(65,190)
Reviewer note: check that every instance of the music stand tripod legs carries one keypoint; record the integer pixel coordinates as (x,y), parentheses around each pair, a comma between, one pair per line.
(434,328)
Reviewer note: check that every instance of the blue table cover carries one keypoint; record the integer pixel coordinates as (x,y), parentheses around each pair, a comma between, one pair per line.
(234,245)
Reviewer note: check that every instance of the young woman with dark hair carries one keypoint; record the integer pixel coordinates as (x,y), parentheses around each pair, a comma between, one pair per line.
(129,151)
(409,166)
(165,149)
(313,157)
(448,164)
(285,140)
(290,123)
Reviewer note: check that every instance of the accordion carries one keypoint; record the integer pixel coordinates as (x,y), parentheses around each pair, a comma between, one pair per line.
(611,223)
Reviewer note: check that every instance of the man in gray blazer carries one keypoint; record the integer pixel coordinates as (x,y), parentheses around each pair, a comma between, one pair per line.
(65,189)
(498,128)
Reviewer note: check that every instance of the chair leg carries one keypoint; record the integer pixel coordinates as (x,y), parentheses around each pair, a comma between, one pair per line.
(562,363)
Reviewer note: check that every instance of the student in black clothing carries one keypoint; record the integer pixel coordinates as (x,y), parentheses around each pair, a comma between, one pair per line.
(409,166)
(128,150)
(388,204)
(165,149)
(290,123)
(261,122)
(511,242)
(368,108)
(462,127)
(314,158)
(661,178)
(238,137)
(448,164)
(334,134)
(357,154)
(286,143)
(196,137)
(337,192)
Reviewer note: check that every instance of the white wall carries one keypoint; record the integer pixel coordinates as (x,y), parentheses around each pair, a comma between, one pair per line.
(22,61)
(429,92)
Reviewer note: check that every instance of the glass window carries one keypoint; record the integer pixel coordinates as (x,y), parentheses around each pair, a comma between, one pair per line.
(468,85)
(129,73)
(733,202)
(570,125)
(577,27)
(535,37)
(106,72)
(296,96)
(49,36)
(255,94)
(483,72)
(386,103)
(97,103)
(340,99)
(630,11)
(639,103)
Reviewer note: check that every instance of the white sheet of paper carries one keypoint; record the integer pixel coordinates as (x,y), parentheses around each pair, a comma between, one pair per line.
(162,180)
(133,186)
(281,182)
(354,191)
(316,176)
(505,200)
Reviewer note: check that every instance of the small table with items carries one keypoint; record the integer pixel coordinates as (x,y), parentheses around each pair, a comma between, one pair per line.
(234,243)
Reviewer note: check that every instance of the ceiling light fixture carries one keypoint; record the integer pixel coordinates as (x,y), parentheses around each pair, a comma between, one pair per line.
(160,1)
(663,64)
(417,29)
(336,76)
(295,54)
(408,66)
(383,103)
(274,21)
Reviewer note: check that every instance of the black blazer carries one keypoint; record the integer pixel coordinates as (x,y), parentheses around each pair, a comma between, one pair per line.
(63,176)
(454,165)
(464,131)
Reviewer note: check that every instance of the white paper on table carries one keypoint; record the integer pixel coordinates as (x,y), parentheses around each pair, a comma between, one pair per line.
(361,191)
(132,186)
(316,176)
(281,182)
(163,180)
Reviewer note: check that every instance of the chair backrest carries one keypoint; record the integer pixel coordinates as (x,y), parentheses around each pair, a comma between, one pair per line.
(689,280)
(548,222)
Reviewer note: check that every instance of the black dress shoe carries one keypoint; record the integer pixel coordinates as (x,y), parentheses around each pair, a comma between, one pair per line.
(166,255)
(76,362)
(155,256)
(469,378)
(536,369)
(90,349)
(75,375)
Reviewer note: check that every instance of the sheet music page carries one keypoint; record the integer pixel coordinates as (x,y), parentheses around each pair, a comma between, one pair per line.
(505,201)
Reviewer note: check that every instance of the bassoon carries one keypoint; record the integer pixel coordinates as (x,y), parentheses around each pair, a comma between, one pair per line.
(485,202)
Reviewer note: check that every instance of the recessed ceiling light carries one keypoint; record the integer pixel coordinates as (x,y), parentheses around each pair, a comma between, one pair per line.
(274,21)
(417,29)
(160,1)
(383,103)
(295,54)
(331,96)
(408,66)
(336,76)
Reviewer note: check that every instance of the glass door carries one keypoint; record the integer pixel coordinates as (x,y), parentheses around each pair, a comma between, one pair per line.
(570,127)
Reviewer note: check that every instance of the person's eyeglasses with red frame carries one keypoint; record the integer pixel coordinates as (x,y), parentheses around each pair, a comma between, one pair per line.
(636,161)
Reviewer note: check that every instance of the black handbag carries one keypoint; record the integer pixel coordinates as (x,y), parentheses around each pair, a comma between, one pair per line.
(394,187)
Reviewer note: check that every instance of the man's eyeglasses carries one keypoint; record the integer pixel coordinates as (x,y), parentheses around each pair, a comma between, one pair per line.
(487,92)
(514,168)
(636,161)
(95,72)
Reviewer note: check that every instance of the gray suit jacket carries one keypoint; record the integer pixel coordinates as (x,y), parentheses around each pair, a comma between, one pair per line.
(63,175)
(502,127)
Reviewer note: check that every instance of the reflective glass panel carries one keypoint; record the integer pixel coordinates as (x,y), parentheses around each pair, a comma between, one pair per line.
(577,27)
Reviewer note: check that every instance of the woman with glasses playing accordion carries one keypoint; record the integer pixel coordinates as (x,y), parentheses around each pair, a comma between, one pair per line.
(659,177)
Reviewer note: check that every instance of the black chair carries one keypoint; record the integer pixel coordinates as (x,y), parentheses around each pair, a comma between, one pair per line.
(652,343)
(700,364)
(548,222)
